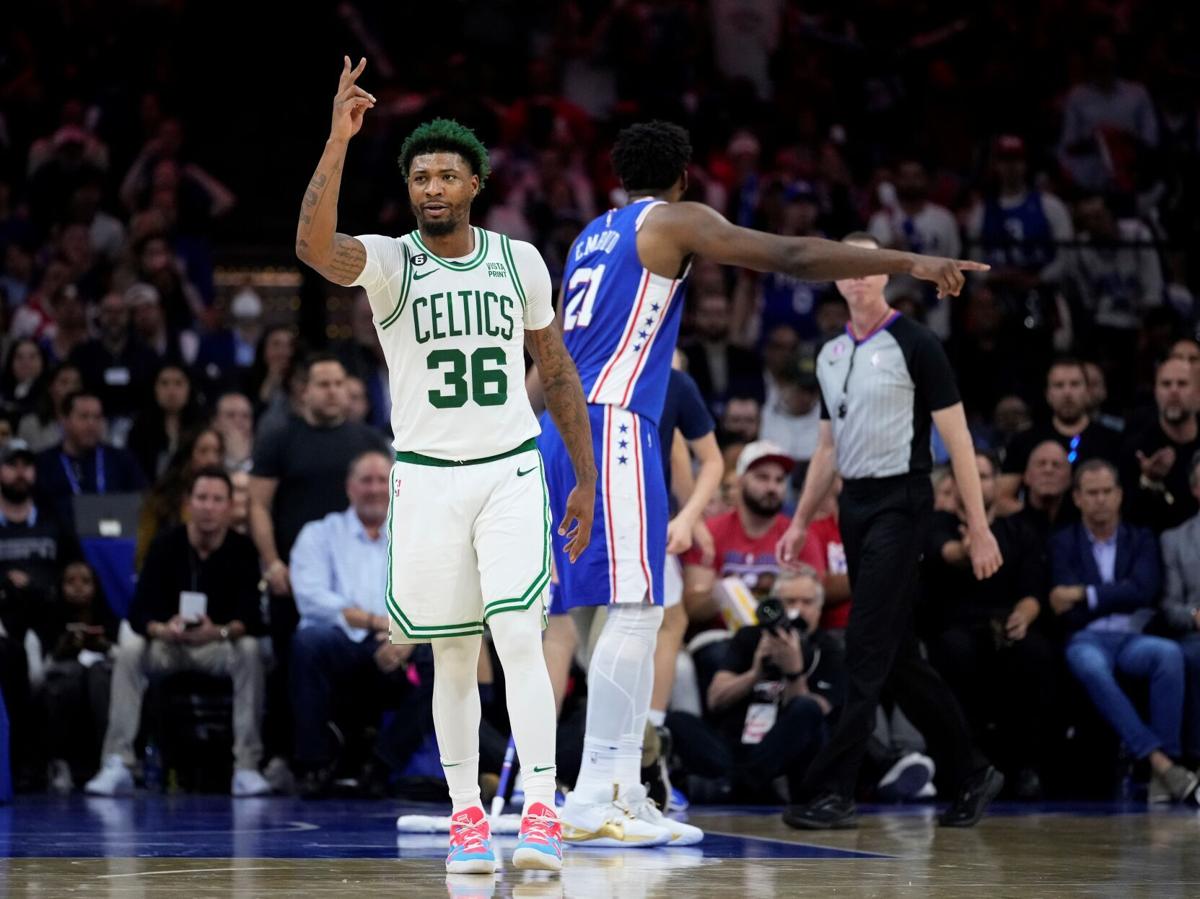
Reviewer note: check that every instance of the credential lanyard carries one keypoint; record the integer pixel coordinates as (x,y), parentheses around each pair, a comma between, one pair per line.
(69,470)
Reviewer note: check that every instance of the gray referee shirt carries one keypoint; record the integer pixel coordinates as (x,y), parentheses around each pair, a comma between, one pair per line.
(879,392)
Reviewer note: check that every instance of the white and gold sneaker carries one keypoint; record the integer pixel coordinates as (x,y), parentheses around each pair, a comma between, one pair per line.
(600,819)
(646,811)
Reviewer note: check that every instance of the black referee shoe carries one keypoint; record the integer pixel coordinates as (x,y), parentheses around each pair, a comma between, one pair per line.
(828,812)
(972,798)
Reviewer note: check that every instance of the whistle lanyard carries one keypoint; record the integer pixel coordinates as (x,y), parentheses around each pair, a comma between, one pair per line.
(73,480)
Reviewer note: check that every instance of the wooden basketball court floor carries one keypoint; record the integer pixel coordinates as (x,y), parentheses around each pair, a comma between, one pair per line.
(201,846)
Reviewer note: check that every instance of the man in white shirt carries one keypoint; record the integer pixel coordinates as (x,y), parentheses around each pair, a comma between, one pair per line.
(793,418)
(340,653)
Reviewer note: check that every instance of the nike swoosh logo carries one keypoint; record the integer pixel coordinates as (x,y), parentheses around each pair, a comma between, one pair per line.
(522,474)
(537,770)
(419,275)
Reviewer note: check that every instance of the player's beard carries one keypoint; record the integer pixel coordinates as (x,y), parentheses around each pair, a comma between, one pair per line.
(437,227)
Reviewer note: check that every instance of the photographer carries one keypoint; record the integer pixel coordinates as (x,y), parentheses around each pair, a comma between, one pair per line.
(768,704)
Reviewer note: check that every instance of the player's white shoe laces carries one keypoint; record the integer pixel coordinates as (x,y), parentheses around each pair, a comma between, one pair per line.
(644,809)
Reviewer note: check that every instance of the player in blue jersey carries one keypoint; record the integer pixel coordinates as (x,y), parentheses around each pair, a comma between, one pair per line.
(622,296)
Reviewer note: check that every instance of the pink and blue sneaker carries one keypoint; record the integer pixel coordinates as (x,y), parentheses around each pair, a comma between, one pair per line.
(539,842)
(470,843)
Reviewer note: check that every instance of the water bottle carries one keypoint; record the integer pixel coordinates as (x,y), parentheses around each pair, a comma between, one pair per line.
(152,767)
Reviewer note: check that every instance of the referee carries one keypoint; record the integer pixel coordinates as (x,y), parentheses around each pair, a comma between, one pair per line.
(882,383)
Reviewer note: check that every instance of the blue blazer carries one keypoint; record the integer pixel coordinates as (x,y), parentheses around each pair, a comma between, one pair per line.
(1137,575)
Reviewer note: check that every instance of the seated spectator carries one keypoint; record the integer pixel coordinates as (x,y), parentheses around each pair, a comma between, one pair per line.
(78,673)
(984,639)
(793,419)
(1097,383)
(357,405)
(41,428)
(33,547)
(341,647)
(744,538)
(1069,425)
(1105,578)
(201,557)
(1156,460)
(1047,484)
(166,502)
(81,463)
(267,377)
(22,381)
(70,329)
(1113,279)
(945,490)
(226,353)
(234,421)
(150,328)
(720,369)
(363,357)
(1181,607)
(1018,229)
(740,421)
(159,427)
(116,367)
(767,703)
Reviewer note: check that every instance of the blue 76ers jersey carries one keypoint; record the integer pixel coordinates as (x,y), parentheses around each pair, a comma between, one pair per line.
(620,321)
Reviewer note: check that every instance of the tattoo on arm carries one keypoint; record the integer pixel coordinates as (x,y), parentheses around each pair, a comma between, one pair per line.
(338,257)
(564,398)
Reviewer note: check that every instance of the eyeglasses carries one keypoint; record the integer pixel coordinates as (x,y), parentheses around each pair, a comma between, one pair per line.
(1073,449)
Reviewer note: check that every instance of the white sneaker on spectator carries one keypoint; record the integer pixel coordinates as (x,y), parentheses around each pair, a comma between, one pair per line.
(60,777)
(113,779)
(599,818)
(906,779)
(248,782)
(1177,782)
(280,776)
(644,809)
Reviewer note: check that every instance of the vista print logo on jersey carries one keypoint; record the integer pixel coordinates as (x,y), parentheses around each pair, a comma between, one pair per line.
(497,270)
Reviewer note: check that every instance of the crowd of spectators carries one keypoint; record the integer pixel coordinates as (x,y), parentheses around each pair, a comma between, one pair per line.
(1058,143)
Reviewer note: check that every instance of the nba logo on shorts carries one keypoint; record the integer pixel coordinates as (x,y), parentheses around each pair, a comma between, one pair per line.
(396,492)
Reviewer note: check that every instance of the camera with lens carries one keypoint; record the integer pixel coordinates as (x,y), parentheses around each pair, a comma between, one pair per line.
(773,617)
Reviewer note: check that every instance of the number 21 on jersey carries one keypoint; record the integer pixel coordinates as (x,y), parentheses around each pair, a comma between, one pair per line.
(581,297)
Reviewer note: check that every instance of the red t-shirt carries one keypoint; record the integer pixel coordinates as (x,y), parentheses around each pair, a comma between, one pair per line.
(751,558)
(823,550)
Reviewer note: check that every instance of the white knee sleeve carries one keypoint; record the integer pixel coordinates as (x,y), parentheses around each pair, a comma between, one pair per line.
(620,681)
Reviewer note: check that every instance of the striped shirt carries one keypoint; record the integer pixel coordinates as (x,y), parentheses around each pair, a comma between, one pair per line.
(879,392)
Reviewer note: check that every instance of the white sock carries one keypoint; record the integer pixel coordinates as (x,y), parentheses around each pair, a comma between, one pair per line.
(517,636)
(456,716)
(620,681)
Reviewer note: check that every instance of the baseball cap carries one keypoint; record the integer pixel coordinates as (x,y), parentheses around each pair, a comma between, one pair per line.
(1009,145)
(14,448)
(763,451)
(802,368)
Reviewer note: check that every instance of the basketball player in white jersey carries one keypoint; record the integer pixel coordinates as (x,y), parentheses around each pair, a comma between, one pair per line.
(469,524)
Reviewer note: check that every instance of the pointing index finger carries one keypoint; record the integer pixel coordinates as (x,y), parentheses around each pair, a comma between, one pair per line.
(970,265)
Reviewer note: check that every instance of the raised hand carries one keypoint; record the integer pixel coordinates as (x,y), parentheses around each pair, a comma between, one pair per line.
(947,274)
(351,102)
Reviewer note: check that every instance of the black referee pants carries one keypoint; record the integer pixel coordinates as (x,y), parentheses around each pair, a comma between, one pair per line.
(883,523)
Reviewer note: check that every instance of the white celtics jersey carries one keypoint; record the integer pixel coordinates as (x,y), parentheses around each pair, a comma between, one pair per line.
(453,335)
